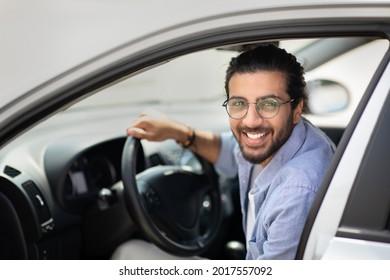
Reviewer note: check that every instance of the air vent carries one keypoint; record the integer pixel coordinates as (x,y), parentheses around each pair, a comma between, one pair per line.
(12,172)
(155,159)
(41,208)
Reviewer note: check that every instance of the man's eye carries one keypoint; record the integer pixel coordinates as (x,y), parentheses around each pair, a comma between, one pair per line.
(269,103)
(238,103)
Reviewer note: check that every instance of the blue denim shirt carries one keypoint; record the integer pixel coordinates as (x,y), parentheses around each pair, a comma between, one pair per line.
(283,191)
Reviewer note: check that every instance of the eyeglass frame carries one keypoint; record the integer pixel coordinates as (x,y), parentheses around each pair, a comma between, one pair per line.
(225,104)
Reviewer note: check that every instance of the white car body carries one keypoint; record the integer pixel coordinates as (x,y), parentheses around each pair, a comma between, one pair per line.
(52,53)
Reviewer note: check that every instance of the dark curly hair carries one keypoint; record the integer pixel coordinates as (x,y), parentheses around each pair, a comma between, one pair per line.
(271,58)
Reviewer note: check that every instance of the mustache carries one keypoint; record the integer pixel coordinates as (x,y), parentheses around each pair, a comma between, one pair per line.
(257,129)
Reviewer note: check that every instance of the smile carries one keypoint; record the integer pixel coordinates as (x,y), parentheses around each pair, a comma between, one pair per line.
(255,136)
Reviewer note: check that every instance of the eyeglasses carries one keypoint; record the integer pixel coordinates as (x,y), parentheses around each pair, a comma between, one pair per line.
(267,107)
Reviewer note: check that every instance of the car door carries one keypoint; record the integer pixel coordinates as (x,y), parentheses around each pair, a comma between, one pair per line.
(350,218)
(364,230)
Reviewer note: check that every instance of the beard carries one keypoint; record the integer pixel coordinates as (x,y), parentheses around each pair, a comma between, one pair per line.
(267,150)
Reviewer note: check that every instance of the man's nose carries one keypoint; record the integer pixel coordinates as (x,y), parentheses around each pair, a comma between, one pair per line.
(252,118)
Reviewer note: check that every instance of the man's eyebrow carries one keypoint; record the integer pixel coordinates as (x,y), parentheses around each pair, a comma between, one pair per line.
(270,95)
(260,98)
(240,97)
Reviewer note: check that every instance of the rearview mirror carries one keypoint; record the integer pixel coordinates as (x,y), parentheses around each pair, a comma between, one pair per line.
(326,97)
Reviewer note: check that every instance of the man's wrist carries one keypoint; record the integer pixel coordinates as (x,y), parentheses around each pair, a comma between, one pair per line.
(190,138)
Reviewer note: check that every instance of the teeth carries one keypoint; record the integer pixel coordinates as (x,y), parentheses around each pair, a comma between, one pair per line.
(255,136)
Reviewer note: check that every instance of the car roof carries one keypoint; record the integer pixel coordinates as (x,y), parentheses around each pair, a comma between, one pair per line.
(42,38)
(48,44)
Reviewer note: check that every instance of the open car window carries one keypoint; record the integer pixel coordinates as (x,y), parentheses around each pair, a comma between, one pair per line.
(190,88)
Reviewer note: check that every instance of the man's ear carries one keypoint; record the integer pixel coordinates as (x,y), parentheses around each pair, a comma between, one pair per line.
(298,112)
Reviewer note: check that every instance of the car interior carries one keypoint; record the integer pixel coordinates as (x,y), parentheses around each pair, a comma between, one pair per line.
(74,186)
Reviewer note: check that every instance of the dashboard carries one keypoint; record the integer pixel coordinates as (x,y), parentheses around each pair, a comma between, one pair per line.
(77,177)
(57,194)
(62,198)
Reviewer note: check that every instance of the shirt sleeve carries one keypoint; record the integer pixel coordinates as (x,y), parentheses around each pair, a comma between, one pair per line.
(226,164)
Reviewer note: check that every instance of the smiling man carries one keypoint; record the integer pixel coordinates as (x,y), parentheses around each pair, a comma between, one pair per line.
(279,157)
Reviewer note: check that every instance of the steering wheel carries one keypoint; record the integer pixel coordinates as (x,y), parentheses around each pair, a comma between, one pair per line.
(177,208)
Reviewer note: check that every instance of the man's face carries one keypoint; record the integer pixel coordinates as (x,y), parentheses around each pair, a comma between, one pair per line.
(259,138)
